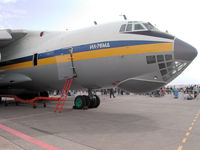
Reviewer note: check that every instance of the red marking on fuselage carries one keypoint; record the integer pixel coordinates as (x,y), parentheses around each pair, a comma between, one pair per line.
(41,34)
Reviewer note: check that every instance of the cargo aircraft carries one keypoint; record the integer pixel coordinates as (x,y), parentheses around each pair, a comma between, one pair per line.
(131,55)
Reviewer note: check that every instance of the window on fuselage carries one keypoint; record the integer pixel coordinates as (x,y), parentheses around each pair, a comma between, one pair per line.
(160,58)
(123,27)
(169,64)
(163,72)
(151,59)
(168,57)
(161,66)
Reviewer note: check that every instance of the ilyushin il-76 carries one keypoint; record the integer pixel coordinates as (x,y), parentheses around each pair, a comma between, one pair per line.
(130,55)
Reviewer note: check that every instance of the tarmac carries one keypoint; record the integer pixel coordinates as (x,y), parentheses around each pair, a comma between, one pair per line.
(129,122)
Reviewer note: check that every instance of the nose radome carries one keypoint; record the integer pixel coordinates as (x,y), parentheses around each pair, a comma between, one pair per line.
(184,51)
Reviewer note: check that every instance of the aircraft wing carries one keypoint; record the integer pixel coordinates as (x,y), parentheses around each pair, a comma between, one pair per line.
(8,36)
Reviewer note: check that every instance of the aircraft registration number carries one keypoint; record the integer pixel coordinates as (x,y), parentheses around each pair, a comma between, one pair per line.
(100,45)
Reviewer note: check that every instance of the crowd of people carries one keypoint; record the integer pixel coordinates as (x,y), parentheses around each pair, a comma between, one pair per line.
(112,92)
(190,92)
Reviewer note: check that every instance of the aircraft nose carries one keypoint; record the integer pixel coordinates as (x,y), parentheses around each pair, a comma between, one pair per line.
(184,51)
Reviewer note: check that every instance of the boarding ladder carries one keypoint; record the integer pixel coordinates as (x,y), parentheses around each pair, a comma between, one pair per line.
(64,94)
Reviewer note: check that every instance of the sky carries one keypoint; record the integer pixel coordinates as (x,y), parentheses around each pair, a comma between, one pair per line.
(179,17)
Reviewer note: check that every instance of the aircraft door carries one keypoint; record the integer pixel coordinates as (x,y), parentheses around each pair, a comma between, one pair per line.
(65,65)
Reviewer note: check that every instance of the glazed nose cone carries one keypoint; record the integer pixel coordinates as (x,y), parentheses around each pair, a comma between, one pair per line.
(184,51)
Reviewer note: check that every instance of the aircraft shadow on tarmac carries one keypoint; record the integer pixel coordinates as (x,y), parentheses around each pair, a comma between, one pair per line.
(94,122)
(82,121)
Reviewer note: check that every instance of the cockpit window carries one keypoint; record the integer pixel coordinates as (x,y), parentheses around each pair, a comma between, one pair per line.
(129,27)
(149,26)
(132,26)
(138,27)
(135,26)
(123,27)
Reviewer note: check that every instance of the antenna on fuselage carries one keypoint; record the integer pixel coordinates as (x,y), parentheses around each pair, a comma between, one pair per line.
(95,23)
(124,16)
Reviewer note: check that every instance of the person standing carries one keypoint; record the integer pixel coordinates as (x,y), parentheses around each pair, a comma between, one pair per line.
(162,92)
(195,91)
(112,93)
(176,93)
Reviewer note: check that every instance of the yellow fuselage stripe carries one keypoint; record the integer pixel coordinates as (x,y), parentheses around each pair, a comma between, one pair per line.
(109,52)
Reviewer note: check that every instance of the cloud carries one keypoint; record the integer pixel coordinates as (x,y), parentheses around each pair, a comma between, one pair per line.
(8,1)
(10,14)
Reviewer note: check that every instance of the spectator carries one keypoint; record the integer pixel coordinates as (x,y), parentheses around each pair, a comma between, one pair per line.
(112,93)
(195,89)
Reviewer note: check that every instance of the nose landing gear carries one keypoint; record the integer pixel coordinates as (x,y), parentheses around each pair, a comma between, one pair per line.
(85,102)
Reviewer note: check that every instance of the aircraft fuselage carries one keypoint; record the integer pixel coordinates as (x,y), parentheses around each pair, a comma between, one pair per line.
(101,56)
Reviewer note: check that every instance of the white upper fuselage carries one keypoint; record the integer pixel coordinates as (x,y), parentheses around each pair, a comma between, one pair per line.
(51,40)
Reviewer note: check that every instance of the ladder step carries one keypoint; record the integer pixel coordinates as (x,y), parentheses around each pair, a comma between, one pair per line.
(64,95)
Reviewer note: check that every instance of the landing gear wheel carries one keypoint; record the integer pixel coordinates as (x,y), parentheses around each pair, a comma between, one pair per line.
(94,102)
(97,99)
(87,102)
(79,102)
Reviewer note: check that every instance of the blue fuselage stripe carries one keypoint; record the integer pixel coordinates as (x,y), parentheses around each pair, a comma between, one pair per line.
(78,49)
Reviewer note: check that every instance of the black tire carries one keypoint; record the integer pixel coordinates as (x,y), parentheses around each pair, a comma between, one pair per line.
(94,102)
(97,99)
(79,102)
(87,101)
